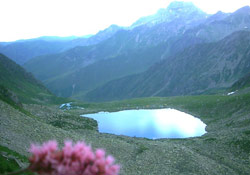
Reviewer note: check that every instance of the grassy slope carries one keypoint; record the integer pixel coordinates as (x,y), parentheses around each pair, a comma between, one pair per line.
(10,160)
(223,150)
(20,86)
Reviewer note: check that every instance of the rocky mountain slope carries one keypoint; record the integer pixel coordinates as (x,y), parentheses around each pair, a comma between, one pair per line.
(221,24)
(194,70)
(243,82)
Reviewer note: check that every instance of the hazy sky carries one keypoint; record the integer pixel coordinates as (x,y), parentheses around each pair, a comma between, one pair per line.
(21,19)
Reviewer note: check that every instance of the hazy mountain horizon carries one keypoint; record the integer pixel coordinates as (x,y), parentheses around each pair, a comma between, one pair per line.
(86,35)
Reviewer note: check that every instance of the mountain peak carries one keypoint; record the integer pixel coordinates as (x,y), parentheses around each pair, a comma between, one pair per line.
(175,10)
(217,17)
(175,5)
(183,9)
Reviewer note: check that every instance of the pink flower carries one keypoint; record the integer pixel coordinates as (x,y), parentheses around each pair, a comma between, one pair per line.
(78,159)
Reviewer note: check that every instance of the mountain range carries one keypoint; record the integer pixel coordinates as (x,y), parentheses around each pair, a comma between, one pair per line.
(149,58)
(23,50)
(195,70)
(30,114)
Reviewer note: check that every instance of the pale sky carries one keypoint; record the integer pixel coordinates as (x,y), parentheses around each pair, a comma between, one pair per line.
(22,19)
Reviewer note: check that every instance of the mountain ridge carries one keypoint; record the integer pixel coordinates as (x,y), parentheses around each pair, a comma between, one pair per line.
(180,77)
(82,69)
(123,44)
(24,50)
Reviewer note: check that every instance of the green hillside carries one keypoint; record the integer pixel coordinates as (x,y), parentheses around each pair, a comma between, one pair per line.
(19,86)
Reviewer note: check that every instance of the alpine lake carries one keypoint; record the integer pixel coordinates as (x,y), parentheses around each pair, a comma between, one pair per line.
(149,123)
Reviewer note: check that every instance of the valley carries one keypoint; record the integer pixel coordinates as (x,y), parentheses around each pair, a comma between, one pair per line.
(81,72)
(180,58)
(223,149)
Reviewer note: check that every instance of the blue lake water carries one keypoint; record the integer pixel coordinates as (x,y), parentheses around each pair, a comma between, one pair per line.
(149,123)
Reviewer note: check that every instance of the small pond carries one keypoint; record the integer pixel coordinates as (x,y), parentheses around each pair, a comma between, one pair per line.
(149,123)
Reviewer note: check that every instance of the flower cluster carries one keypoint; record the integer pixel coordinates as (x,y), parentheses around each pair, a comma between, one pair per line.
(78,159)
